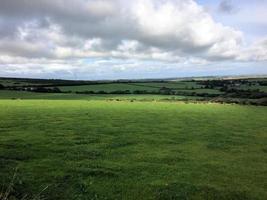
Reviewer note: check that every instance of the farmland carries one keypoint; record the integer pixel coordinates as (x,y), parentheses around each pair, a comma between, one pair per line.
(89,141)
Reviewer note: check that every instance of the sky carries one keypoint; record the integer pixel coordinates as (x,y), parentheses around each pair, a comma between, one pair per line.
(132,39)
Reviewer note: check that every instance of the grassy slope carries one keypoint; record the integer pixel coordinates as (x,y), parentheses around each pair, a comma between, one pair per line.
(123,150)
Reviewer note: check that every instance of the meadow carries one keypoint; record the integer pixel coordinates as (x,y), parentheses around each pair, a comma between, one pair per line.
(99,149)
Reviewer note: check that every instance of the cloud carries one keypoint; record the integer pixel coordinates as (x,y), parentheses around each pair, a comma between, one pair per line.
(226,6)
(66,33)
(179,26)
(256,52)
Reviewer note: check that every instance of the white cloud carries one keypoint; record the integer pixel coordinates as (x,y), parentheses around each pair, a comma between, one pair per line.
(256,52)
(163,31)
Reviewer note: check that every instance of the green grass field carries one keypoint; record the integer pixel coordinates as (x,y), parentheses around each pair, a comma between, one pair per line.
(133,150)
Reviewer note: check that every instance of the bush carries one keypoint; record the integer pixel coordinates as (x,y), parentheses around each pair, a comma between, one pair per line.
(120,92)
(2,87)
(101,92)
(140,92)
(45,90)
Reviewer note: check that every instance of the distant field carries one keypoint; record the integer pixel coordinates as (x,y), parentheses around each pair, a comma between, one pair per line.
(8,94)
(107,87)
(133,150)
(142,87)
(187,87)
(173,85)
(28,82)
(12,82)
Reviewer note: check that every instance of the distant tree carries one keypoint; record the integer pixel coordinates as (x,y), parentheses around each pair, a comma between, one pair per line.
(56,90)
(140,92)
(166,91)
(86,92)
(45,90)
(262,83)
(101,92)
(1,87)
(120,92)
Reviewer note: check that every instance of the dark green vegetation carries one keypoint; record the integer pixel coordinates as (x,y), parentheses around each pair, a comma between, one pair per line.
(133,150)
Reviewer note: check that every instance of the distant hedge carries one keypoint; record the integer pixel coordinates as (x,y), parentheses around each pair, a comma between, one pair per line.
(2,87)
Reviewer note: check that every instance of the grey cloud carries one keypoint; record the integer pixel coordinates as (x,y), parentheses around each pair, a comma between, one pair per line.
(84,19)
(226,6)
(24,49)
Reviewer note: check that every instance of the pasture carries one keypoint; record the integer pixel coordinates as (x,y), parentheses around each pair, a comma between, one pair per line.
(132,150)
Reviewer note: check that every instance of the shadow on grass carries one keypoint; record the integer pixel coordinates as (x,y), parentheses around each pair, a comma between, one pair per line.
(186,191)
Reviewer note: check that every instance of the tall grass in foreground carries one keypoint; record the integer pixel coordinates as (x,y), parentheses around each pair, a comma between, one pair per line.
(9,192)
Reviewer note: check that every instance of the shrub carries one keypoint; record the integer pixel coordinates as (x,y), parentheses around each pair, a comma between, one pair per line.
(1,87)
